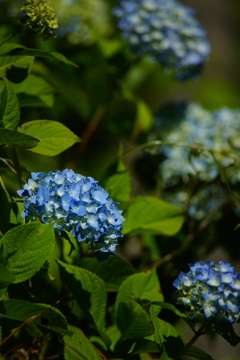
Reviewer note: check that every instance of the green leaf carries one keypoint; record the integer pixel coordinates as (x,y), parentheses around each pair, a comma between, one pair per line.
(22,310)
(145,346)
(164,305)
(119,184)
(165,335)
(198,354)
(153,214)
(18,64)
(54,137)
(89,291)
(78,347)
(5,207)
(17,139)
(16,210)
(26,247)
(6,277)
(9,106)
(113,271)
(226,330)
(21,51)
(131,324)
(34,91)
(144,117)
(143,285)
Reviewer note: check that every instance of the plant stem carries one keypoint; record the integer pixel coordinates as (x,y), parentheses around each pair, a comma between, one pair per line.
(181,144)
(7,38)
(189,344)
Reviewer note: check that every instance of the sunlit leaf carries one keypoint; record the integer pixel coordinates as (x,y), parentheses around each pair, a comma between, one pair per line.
(54,137)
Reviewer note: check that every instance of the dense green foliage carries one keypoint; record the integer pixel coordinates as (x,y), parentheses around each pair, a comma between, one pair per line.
(84,101)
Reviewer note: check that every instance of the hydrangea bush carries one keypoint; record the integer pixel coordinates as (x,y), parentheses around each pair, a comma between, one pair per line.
(62,296)
(167,31)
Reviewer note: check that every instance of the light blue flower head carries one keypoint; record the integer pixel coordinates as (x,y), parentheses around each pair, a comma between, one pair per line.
(167,31)
(210,291)
(74,203)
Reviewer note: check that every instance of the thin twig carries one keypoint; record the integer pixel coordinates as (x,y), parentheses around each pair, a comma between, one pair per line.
(87,134)
(188,240)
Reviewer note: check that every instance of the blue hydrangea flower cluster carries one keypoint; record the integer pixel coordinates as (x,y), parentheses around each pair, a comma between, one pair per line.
(182,166)
(167,31)
(210,291)
(74,203)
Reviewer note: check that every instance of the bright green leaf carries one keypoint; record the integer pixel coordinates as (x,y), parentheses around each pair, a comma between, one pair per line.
(26,247)
(34,91)
(88,289)
(17,139)
(21,51)
(21,310)
(142,285)
(119,184)
(113,271)
(78,347)
(144,117)
(54,137)
(9,106)
(153,214)
(131,324)
(10,62)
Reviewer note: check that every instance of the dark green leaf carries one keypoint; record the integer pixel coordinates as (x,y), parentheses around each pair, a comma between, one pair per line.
(113,271)
(16,210)
(16,74)
(21,310)
(166,336)
(5,207)
(26,247)
(131,324)
(153,214)
(20,51)
(17,139)
(142,285)
(9,106)
(89,291)
(225,329)
(78,347)
(54,137)
(198,354)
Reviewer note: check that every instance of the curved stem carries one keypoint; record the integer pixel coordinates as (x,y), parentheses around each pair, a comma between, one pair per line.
(181,144)
(191,342)
(7,38)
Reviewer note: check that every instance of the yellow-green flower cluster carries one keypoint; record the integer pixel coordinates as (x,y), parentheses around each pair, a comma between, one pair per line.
(40,18)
